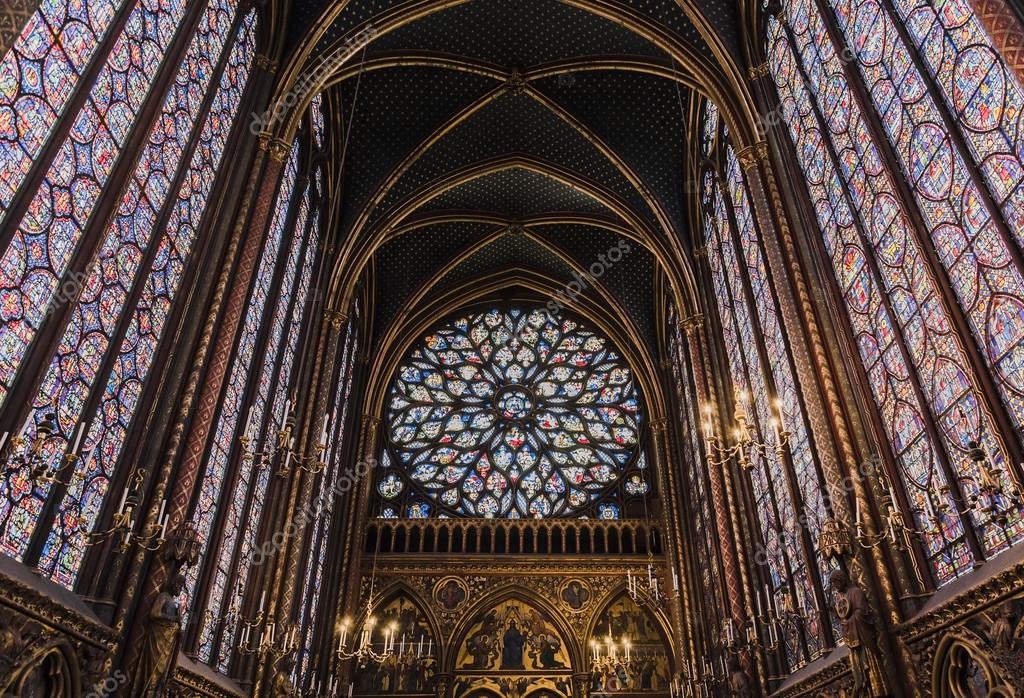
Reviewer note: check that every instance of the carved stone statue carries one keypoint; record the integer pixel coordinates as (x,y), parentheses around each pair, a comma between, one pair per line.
(1001,633)
(160,642)
(854,612)
(283,686)
(740,685)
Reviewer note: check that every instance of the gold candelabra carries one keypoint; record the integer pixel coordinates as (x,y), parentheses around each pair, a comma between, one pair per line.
(283,447)
(745,443)
(24,452)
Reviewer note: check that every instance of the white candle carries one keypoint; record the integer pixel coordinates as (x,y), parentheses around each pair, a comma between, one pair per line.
(323,431)
(78,437)
(263,601)
(351,687)
(287,457)
(757,595)
(430,647)
(124,496)
(163,505)
(675,580)
(287,409)
(3,439)
(401,646)
(857,516)
(163,527)
(248,422)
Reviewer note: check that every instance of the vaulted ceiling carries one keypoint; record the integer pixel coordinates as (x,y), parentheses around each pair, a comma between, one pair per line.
(488,135)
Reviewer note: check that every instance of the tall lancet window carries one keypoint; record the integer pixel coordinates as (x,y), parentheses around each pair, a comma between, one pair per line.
(330,485)
(92,259)
(258,401)
(904,119)
(788,491)
(513,413)
(705,535)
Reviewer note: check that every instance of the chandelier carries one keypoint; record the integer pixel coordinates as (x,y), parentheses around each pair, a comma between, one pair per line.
(745,442)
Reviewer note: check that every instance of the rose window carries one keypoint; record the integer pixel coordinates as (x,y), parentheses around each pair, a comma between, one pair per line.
(513,413)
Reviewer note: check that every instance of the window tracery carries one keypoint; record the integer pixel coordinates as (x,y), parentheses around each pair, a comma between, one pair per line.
(513,413)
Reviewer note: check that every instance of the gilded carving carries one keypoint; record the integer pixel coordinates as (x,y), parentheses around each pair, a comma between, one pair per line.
(160,642)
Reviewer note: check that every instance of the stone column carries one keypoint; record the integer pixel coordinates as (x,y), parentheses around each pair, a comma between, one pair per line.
(212,352)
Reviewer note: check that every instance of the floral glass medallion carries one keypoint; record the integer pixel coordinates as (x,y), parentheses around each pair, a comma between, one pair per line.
(514,413)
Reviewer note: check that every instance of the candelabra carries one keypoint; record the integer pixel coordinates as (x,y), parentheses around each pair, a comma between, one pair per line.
(746,444)
(152,536)
(362,647)
(271,643)
(283,447)
(645,588)
(31,453)
(988,499)
(611,661)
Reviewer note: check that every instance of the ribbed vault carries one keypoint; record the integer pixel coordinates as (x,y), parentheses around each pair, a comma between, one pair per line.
(482,136)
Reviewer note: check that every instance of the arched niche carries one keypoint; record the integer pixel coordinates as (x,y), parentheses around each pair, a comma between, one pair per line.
(651,668)
(411,667)
(51,670)
(964,668)
(512,644)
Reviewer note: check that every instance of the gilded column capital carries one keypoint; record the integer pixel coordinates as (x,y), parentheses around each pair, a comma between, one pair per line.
(265,63)
(751,155)
(658,426)
(336,318)
(757,71)
(275,147)
(692,323)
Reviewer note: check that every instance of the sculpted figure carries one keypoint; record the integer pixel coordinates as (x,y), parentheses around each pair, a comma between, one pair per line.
(160,643)
(283,686)
(854,612)
(740,684)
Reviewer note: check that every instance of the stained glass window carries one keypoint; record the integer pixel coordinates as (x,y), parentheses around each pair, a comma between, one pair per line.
(893,300)
(744,302)
(48,234)
(39,75)
(154,229)
(704,530)
(283,248)
(316,561)
(512,413)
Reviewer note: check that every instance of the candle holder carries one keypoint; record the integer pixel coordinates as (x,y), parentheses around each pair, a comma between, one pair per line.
(283,448)
(152,537)
(746,444)
(645,588)
(30,453)
(272,644)
(362,648)
(611,660)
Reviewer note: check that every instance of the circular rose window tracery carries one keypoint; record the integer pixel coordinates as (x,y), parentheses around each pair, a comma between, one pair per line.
(513,413)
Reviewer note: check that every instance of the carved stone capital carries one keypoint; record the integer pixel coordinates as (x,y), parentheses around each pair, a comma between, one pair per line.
(757,71)
(692,323)
(336,318)
(277,148)
(750,156)
(265,63)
